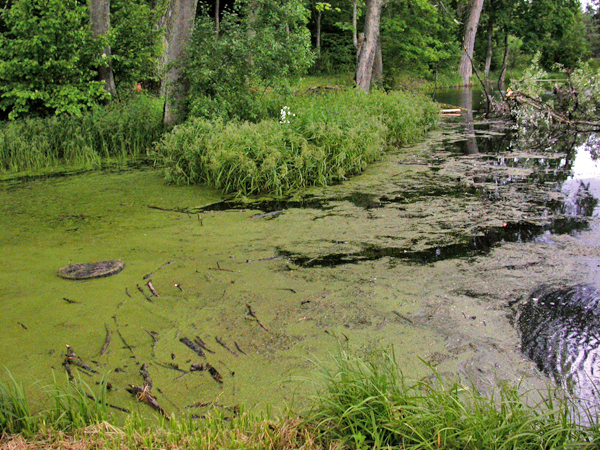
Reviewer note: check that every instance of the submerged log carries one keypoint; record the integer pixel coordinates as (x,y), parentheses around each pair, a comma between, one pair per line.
(91,270)
(193,346)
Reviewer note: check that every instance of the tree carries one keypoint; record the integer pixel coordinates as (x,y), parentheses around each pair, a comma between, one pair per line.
(419,38)
(180,23)
(48,59)
(100,24)
(465,67)
(261,45)
(368,46)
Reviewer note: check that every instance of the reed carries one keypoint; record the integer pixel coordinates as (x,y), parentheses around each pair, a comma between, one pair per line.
(120,130)
(317,140)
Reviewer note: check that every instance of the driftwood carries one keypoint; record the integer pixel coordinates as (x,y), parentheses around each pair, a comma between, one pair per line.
(106,341)
(193,346)
(252,314)
(144,393)
(224,345)
(71,359)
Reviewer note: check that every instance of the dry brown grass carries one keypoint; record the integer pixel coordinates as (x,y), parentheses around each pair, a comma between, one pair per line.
(280,434)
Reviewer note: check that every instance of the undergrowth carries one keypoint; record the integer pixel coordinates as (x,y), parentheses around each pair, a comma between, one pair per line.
(120,130)
(318,139)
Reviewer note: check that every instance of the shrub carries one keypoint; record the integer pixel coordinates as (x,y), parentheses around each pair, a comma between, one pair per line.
(318,140)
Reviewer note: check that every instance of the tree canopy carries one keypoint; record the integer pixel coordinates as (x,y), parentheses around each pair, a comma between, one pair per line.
(49,60)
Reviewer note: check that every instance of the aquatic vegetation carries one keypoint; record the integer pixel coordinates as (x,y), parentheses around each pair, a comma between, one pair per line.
(330,138)
(364,402)
(120,130)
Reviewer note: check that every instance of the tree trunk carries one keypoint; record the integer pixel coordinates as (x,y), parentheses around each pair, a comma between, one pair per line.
(354,26)
(504,63)
(490,37)
(465,69)
(368,48)
(319,14)
(217,19)
(100,26)
(378,65)
(180,23)
(488,55)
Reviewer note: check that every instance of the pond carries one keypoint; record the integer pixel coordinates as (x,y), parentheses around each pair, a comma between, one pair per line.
(428,251)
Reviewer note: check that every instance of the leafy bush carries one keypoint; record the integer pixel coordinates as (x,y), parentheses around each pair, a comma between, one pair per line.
(318,140)
(260,45)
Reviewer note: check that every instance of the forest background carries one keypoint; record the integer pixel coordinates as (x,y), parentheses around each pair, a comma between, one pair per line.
(64,57)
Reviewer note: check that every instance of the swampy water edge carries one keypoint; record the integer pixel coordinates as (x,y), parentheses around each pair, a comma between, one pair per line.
(430,250)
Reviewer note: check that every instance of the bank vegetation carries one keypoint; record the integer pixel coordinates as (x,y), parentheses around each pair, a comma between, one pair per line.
(360,402)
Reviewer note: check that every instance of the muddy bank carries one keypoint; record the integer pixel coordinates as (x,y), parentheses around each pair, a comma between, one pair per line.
(426,251)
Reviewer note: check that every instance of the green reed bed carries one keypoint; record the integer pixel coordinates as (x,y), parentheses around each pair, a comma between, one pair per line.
(119,130)
(318,140)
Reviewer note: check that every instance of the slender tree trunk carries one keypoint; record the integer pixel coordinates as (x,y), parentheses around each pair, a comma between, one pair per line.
(180,23)
(504,63)
(490,38)
(217,19)
(465,69)
(488,55)
(378,65)
(354,23)
(368,48)
(100,26)
(319,14)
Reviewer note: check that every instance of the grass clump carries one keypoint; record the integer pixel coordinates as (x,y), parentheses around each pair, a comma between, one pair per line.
(71,407)
(317,140)
(120,130)
(366,403)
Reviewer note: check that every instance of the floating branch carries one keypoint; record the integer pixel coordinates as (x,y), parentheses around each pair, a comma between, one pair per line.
(253,314)
(192,345)
(222,344)
(106,341)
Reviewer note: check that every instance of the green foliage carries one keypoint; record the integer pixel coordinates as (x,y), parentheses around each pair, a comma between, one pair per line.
(118,130)
(365,402)
(47,58)
(418,38)
(136,40)
(554,27)
(317,141)
(261,44)
(76,406)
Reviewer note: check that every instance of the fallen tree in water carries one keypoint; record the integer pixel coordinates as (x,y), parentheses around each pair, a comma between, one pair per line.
(572,102)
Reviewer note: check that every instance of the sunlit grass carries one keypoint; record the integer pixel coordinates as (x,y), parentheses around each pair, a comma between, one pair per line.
(326,139)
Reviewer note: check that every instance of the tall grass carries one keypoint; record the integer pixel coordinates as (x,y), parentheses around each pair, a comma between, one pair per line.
(71,407)
(326,139)
(119,130)
(366,403)
(363,403)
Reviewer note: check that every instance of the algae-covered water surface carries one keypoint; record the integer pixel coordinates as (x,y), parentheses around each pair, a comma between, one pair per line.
(426,251)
